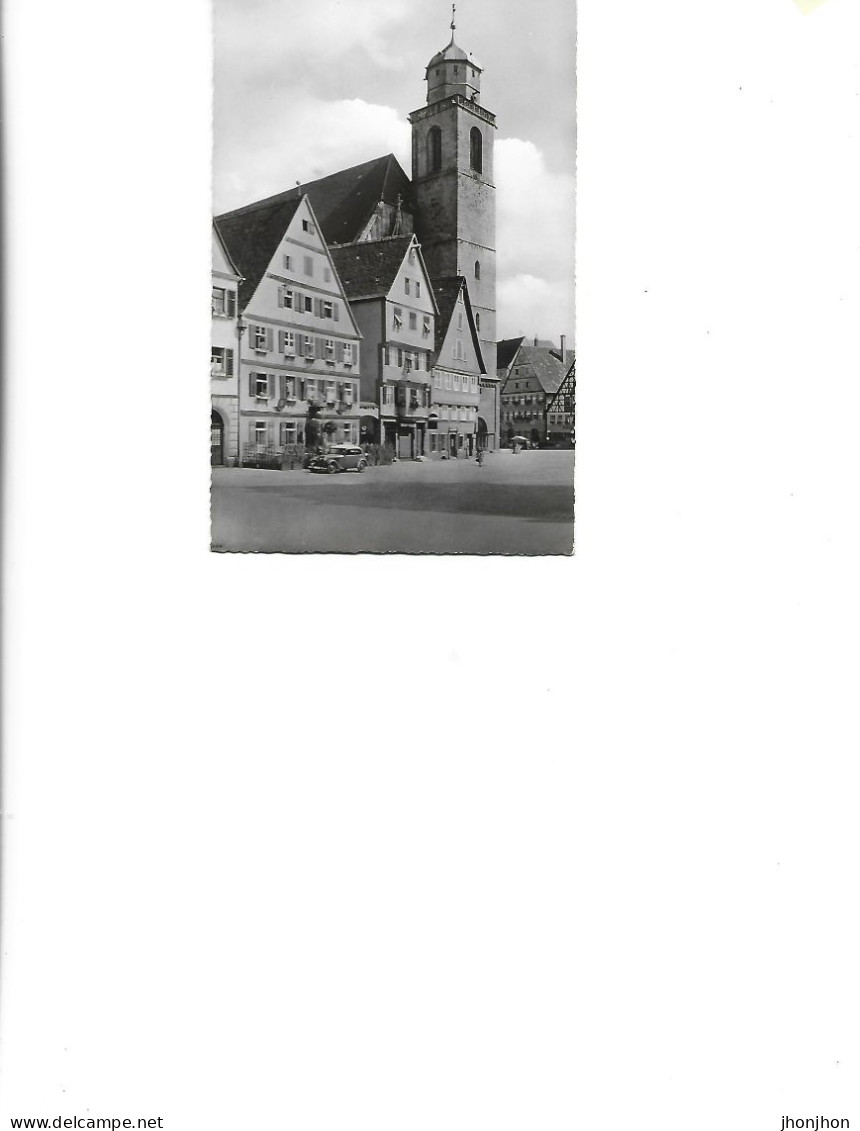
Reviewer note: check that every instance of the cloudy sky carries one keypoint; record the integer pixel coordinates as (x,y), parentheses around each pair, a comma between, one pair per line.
(304,89)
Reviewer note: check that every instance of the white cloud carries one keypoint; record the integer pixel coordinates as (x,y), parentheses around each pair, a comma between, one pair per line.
(535,243)
(535,307)
(272,34)
(306,140)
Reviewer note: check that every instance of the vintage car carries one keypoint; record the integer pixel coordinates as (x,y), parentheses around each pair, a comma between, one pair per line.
(340,457)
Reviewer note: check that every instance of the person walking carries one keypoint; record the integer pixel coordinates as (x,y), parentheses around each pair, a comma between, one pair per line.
(480,457)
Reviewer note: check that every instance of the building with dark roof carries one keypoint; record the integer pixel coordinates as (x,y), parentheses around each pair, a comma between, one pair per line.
(392,301)
(533,375)
(298,345)
(456,425)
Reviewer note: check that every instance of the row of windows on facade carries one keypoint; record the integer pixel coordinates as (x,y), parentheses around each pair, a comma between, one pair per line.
(291,299)
(421,398)
(560,418)
(267,386)
(224,303)
(434,149)
(262,433)
(397,321)
(414,361)
(290,344)
(407,360)
(521,415)
(442,442)
(523,400)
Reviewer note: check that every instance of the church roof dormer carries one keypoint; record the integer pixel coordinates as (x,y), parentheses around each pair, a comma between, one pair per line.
(452,71)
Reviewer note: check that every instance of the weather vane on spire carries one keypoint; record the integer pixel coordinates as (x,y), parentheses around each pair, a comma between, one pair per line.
(453,17)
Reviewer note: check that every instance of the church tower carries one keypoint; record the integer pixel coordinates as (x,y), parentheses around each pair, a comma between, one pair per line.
(452,184)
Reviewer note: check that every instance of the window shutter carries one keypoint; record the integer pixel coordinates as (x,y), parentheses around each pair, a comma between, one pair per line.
(283,431)
(297,301)
(338,351)
(283,386)
(318,307)
(320,347)
(231,303)
(252,384)
(355,353)
(337,312)
(252,432)
(280,341)
(270,434)
(269,338)
(271,385)
(229,362)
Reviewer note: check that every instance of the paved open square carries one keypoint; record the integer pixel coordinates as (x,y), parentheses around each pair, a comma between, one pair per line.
(514,504)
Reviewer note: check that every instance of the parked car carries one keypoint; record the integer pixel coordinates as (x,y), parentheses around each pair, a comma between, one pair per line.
(340,457)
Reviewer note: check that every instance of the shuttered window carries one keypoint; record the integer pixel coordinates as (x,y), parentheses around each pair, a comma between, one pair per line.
(222,362)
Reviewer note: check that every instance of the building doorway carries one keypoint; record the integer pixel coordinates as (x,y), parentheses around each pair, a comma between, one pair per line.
(483,434)
(216,440)
(406,444)
(368,430)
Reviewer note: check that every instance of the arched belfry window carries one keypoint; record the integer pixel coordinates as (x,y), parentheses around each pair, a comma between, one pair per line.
(477,268)
(434,149)
(477,148)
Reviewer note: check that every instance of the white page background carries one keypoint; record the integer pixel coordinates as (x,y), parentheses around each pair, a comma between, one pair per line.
(601,874)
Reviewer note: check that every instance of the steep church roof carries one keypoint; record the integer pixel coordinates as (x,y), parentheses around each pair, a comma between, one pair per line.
(344,201)
(251,238)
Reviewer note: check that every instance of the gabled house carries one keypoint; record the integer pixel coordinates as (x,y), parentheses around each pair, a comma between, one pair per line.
(392,301)
(561,412)
(530,378)
(224,382)
(458,369)
(300,346)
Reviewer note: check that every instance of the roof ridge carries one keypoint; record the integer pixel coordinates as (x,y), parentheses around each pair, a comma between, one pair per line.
(302,187)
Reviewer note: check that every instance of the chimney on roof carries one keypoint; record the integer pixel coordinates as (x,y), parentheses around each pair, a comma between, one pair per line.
(563,344)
